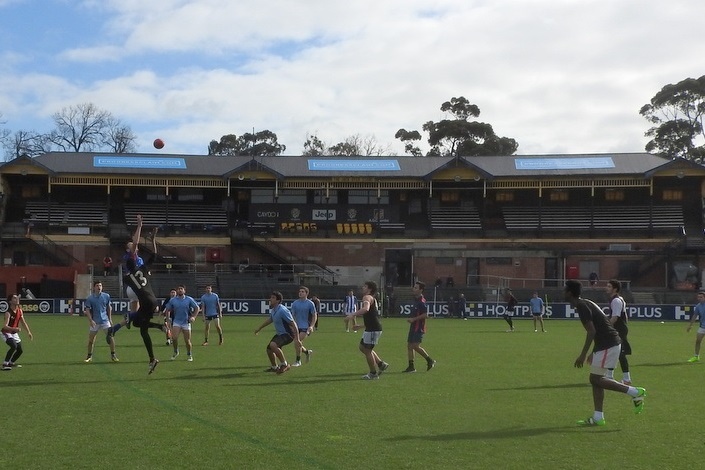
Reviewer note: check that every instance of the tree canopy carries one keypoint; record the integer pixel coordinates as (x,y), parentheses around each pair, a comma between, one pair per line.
(257,144)
(353,145)
(676,113)
(458,136)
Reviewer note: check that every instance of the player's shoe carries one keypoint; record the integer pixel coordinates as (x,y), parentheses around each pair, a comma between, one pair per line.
(308,355)
(114,358)
(694,359)
(189,358)
(283,368)
(12,364)
(88,359)
(128,323)
(639,400)
(271,369)
(153,365)
(409,369)
(430,364)
(296,364)
(175,355)
(205,343)
(168,342)
(382,367)
(591,422)
(220,341)
(370,376)
(6,366)
(627,382)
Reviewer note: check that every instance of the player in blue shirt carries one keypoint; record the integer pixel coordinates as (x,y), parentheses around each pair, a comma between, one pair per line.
(286,332)
(212,311)
(304,312)
(183,310)
(97,309)
(537,310)
(698,314)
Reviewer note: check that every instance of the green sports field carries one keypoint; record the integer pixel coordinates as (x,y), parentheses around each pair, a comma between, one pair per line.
(494,400)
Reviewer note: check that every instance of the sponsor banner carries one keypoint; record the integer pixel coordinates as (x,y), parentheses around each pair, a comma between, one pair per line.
(335,307)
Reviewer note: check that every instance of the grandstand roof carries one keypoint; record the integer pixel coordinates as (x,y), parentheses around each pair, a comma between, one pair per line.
(282,167)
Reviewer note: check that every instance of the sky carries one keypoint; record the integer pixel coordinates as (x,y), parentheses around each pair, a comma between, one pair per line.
(558,76)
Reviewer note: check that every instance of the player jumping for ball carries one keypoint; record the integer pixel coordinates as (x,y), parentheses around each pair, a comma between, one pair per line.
(138,278)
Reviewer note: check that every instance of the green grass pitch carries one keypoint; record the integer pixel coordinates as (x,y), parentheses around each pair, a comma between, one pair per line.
(494,400)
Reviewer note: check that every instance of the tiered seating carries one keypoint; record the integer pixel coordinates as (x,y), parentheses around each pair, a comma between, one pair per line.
(637,217)
(186,216)
(464,217)
(615,218)
(69,213)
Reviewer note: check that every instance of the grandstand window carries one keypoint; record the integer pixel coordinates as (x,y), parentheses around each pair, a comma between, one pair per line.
(614,195)
(450,196)
(31,192)
(558,195)
(243,195)
(319,196)
(504,196)
(367,196)
(189,194)
(292,196)
(672,195)
(286,196)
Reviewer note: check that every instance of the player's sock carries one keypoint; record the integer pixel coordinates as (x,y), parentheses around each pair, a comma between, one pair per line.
(598,416)
(298,358)
(633,391)
(411,364)
(627,377)
(116,328)
(610,374)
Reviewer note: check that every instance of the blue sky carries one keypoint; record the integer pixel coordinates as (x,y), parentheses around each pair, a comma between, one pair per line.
(559,76)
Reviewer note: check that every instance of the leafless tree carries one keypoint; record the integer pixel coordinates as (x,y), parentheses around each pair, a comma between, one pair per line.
(85,127)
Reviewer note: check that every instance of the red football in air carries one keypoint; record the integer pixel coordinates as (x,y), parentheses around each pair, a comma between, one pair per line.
(158,144)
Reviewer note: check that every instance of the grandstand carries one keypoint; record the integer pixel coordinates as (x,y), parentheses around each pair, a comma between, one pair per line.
(632,216)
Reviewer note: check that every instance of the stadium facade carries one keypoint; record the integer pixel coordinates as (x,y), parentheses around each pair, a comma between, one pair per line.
(464,224)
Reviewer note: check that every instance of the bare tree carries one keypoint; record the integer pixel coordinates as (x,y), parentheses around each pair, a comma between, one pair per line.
(85,127)
(27,143)
(354,145)
(4,134)
(118,137)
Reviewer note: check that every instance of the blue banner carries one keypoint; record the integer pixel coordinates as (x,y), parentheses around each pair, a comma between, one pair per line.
(585,163)
(111,161)
(353,165)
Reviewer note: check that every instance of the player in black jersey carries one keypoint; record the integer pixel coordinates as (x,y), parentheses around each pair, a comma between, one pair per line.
(138,278)
(369,310)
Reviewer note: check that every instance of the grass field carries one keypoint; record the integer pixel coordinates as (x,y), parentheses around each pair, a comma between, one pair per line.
(495,400)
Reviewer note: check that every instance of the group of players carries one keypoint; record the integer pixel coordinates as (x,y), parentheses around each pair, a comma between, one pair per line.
(606,334)
(180,310)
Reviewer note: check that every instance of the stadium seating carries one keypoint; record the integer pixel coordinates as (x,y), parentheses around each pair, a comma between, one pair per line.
(462,217)
(188,217)
(612,218)
(67,214)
